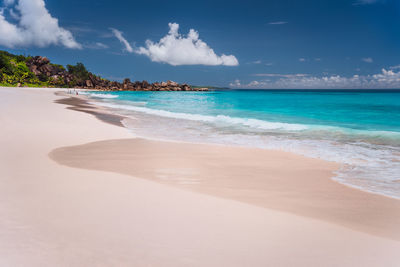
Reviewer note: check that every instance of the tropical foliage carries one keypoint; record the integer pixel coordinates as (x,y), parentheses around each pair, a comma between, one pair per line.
(14,71)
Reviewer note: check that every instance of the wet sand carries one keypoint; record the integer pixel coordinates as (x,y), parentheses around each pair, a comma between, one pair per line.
(271,179)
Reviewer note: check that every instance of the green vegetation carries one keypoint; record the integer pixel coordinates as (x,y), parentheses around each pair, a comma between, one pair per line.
(38,71)
(14,71)
(81,74)
(79,71)
(61,67)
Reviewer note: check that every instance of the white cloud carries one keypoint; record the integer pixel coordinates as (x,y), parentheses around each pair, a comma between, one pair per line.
(236,83)
(176,49)
(96,45)
(101,45)
(35,27)
(280,75)
(302,59)
(367,60)
(383,80)
(278,22)
(121,38)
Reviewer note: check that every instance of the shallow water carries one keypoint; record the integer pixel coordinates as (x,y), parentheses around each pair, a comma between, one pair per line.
(360,129)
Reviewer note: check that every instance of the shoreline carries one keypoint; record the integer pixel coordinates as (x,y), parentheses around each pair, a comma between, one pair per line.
(55,215)
(349,209)
(81,104)
(109,112)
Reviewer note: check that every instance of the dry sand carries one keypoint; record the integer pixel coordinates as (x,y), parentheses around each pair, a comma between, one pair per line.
(55,215)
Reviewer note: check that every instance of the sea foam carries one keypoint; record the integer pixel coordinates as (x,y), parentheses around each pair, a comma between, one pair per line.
(253,123)
(97,95)
(369,160)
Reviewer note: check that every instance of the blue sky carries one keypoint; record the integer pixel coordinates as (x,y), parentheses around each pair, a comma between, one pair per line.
(242,44)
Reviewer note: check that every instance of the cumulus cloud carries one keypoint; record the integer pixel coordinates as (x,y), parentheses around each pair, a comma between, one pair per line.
(176,49)
(121,38)
(236,83)
(367,60)
(386,79)
(35,26)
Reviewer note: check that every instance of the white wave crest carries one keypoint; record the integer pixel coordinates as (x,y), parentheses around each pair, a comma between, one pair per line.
(252,123)
(368,164)
(99,95)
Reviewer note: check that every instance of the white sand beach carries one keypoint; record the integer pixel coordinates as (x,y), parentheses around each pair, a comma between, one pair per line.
(76,191)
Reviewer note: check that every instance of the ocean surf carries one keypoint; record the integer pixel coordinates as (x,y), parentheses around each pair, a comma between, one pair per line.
(358,129)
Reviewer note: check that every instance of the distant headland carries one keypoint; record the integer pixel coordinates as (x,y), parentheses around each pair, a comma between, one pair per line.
(38,71)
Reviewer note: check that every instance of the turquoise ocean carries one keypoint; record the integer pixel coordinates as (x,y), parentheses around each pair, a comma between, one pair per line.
(358,128)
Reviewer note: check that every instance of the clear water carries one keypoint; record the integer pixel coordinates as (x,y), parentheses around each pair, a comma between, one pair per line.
(360,129)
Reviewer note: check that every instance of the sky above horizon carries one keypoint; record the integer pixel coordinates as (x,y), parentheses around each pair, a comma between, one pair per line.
(239,44)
